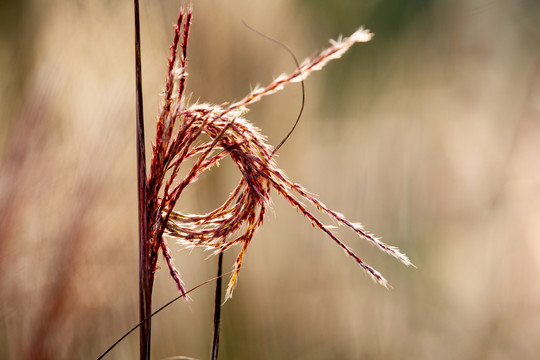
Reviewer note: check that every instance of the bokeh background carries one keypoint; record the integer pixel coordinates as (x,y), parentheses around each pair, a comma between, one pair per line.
(429,135)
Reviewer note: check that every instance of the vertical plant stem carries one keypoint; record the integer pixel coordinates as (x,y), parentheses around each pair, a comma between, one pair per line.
(217,310)
(145,272)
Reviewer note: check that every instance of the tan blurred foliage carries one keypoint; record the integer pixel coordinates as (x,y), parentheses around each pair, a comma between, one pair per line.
(429,135)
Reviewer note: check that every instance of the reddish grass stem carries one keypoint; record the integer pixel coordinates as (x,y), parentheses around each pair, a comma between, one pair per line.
(145,273)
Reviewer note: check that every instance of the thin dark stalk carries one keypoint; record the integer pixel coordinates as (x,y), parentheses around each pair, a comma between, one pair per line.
(145,274)
(217,310)
(286,48)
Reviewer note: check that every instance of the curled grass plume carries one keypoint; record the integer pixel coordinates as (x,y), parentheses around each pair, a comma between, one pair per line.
(208,133)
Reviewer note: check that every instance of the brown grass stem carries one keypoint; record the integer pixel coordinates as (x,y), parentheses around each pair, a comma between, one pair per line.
(145,273)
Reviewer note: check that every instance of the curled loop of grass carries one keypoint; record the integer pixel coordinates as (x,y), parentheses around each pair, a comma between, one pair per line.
(207,134)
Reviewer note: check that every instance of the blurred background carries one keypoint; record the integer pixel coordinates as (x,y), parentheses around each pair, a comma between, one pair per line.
(429,135)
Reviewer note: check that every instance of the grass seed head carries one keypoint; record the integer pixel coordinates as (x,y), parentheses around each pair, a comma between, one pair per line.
(227,132)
